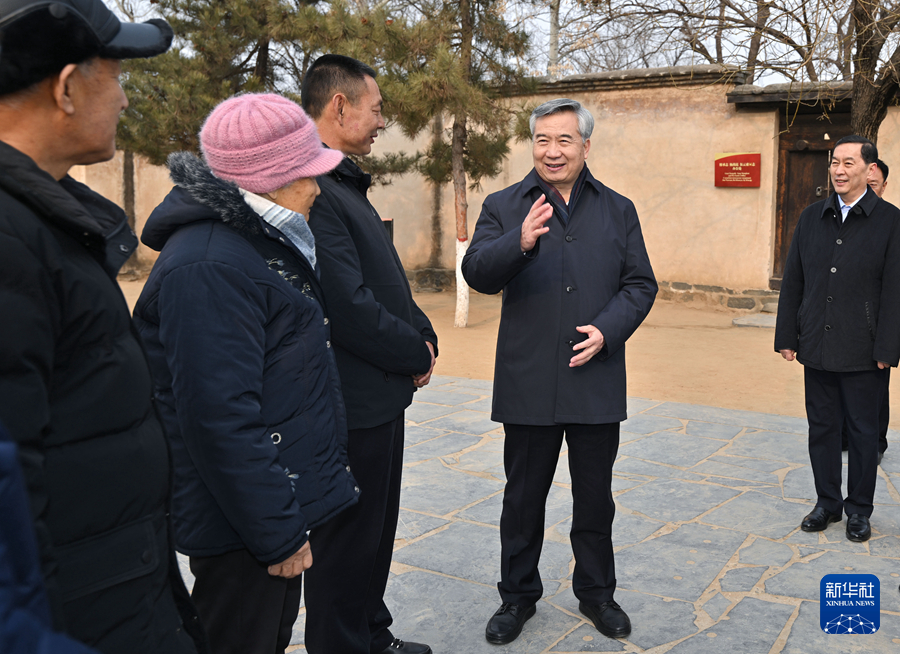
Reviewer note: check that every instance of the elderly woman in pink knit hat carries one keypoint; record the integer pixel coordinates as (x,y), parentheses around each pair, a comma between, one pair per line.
(238,339)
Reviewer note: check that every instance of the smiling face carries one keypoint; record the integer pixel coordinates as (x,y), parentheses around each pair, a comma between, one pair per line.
(362,120)
(849,171)
(559,152)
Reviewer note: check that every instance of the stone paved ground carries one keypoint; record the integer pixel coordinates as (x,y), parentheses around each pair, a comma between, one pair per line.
(709,554)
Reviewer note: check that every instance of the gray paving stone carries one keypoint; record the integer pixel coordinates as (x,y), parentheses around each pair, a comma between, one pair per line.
(802,579)
(414,434)
(562,474)
(448,396)
(483,404)
(672,449)
(765,552)
(753,419)
(624,483)
(420,412)
(587,639)
(631,529)
(479,559)
(484,385)
(629,466)
(654,620)
(640,404)
(717,469)
(480,459)
(431,487)
(654,564)
(807,636)
(753,464)
(441,446)
(756,513)
(412,525)
(627,436)
(716,606)
(712,430)
(752,626)
(644,423)
(558,507)
(453,619)
(799,484)
(775,446)
(184,565)
(465,422)
(441,380)
(741,580)
(671,500)
(887,546)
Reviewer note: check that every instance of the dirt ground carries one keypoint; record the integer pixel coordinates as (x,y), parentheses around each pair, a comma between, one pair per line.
(679,354)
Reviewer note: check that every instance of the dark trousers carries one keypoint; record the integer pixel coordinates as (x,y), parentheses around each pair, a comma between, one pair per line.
(884,417)
(530,455)
(833,399)
(244,609)
(345,609)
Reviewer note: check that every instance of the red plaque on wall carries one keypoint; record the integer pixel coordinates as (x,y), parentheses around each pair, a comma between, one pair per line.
(738,169)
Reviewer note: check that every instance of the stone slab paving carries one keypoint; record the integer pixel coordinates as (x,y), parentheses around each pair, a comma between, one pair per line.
(709,554)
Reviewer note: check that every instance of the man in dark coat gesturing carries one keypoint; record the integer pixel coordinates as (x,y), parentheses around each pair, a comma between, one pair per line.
(569,256)
(385,348)
(839,315)
(75,388)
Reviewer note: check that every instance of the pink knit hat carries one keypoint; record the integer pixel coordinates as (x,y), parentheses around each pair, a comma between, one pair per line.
(262,141)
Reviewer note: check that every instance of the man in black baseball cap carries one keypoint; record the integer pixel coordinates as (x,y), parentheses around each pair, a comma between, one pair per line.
(75,388)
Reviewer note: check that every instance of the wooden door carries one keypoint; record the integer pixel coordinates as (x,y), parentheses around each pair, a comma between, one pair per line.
(803,156)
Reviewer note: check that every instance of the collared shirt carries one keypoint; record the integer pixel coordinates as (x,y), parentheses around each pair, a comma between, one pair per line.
(845,208)
(290,223)
(556,199)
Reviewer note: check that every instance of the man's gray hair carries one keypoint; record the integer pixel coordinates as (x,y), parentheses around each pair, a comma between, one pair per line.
(585,119)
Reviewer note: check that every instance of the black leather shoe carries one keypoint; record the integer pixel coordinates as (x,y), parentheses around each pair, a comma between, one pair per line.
(818,520)
(402,647)
(609,618)
(506,624)
(858,528)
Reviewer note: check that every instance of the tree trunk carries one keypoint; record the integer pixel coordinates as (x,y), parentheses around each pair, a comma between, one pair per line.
(457,161)
(870,98)
(553,55)
(132,268)
(457,149)
(762,16)
(437,189)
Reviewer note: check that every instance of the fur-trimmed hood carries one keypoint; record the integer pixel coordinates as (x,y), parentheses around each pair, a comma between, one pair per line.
(199,195)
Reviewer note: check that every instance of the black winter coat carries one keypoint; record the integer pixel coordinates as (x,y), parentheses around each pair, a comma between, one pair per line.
(839,307)
(593,270)
(75,393)
(233,322)
(379,332)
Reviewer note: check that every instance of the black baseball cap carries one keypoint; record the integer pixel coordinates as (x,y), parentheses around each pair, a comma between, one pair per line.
(115,39)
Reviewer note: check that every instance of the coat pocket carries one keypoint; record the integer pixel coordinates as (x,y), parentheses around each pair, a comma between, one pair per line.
(98,562)
(870,321)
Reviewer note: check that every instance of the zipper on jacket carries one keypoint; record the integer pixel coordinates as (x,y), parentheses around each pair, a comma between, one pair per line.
(869,322)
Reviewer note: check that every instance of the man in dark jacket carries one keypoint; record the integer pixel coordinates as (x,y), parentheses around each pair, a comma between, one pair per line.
(568,254)
(234,323)
(839,315)
(75,389)
(385,348)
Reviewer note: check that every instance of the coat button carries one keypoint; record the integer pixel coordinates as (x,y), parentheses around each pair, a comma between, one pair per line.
(827,328)
(348,468)
(569,289)
(828,299)
(327,343)
(276,438)
(570,342)
(123,248)
(569,239)
(356,489)
(147,556)
(839,241)
(326,321)
(834,270)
